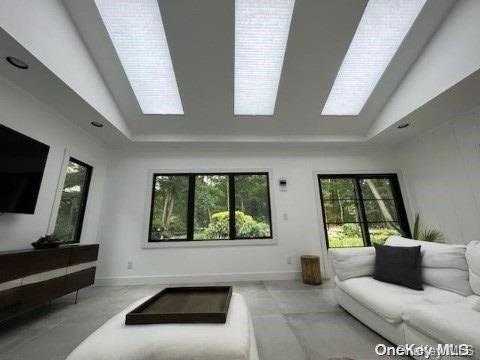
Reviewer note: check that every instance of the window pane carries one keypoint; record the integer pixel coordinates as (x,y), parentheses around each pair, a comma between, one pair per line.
(335,188)
(211,218)
(252,206)
(170,203)
(340,211)
(344,235)
(376,188)
(380,210)
(72,203)
(379,232)
(344,221)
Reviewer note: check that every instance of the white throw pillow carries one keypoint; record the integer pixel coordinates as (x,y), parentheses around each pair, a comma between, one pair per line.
(350,263)
(443,265)
(473,259)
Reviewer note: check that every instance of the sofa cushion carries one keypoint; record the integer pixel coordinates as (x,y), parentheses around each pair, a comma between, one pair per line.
(389,300)
(473,259)
(447,323)
(476,306)
(352,262)
(399,265)
(443,265)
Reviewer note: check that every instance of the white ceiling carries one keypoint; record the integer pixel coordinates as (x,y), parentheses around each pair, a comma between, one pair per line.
(201,39)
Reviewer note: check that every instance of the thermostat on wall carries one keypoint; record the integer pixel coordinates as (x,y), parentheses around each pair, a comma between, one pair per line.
(283,184)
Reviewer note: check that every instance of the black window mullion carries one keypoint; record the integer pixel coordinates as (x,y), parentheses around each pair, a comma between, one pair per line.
(397,199)
(191,206)
(231,205)
(191,201)
(361,211)
(400,207)
(84,198)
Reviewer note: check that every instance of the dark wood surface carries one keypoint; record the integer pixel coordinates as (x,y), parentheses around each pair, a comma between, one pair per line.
(9,302)
(206,304)
(40,261)
(15,265)
(80,279)
(21,263)
(83,254)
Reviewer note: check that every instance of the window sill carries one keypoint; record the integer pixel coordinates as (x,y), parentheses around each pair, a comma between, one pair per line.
(207,243)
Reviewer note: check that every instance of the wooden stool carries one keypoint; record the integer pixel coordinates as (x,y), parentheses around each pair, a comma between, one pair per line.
(311,269)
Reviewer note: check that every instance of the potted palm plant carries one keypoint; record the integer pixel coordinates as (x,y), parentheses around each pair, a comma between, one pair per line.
(418,233)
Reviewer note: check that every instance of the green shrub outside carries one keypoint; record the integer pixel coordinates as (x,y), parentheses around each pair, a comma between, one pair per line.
(349,235)
(245,226)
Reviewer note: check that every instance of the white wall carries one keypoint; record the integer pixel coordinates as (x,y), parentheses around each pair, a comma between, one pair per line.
(442,173)
(24,113)
(451,55)
(123,213)
(46,30)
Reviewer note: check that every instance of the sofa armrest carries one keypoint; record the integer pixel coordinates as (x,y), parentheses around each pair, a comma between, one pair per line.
(352,262)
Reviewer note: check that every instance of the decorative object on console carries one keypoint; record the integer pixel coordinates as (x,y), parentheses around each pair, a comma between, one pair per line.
(47,242)
(30,278)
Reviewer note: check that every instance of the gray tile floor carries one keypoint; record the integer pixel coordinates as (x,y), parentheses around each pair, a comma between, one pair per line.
(291,320)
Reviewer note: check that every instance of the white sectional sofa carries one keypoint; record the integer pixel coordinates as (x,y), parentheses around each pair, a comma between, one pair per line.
(446,311)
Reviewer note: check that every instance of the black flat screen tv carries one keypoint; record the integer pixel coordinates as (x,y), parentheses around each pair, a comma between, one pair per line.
(22,162)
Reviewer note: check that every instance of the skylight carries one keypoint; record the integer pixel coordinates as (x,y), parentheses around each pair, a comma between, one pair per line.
(383,26)
(136,30)
(261,34)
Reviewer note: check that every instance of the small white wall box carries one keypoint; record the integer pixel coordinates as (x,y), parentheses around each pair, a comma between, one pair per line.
(283,184)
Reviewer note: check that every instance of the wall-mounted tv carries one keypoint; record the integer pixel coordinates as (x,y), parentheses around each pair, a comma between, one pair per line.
(22,162)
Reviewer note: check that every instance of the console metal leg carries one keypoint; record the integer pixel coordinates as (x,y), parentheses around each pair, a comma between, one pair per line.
(76,296)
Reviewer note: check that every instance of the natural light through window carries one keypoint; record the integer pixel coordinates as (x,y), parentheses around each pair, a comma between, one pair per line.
(383,26)
(137,33)
(261,34)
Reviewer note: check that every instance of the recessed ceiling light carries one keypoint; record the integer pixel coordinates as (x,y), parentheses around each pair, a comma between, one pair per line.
(137,33)
(97,124)
(383,26)
(17,62)
(261,34)
(403,126)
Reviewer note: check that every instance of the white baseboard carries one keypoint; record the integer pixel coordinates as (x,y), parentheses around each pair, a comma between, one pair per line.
(197,278)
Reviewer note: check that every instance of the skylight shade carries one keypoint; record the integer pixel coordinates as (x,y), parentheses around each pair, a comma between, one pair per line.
(261,34)
(136,30)
(383,26)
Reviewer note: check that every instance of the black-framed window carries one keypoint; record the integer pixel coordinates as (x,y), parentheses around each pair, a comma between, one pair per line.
(360,210)
(73,202)
(210,206)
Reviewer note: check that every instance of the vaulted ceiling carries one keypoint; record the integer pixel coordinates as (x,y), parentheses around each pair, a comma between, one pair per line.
(201,40)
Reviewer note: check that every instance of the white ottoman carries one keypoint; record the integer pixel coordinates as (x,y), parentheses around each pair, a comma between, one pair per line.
(234,340)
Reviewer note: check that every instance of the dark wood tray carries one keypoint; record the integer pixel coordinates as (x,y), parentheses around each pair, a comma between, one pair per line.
(205,304)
